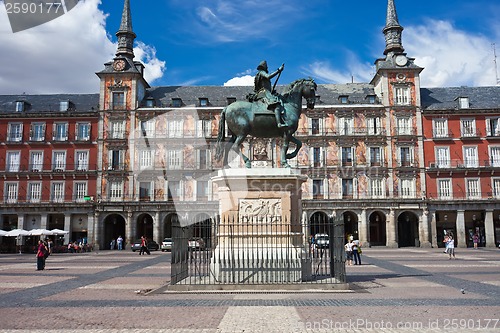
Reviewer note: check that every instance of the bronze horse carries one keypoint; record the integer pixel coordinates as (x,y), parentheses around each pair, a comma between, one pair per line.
(245,118)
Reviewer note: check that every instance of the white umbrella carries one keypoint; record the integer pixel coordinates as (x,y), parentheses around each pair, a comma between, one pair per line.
(17,233)
(3,233)
(59,232)
(40,232)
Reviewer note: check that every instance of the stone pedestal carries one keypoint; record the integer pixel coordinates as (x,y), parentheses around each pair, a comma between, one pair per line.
(259,238)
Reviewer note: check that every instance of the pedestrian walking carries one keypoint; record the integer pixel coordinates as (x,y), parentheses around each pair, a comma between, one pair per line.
(475,240)
(119,242)
(41,255)
(356,247)
(450,248)
(144,246)
(112,244)
(348,252)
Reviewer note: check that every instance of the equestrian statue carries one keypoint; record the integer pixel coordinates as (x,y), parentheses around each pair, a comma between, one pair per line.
(266,114)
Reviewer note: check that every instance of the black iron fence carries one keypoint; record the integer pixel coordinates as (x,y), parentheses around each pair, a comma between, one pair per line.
(236,251)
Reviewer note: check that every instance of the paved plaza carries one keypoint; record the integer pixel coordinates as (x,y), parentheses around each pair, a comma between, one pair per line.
(394,290)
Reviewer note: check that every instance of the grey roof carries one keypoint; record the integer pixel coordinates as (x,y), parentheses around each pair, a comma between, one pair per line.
(217,95)
(50,103)
(446,98)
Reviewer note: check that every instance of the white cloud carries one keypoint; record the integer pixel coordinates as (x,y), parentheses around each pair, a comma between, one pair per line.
(324,72)
(450,57)
(154,68)
(62,55)
(247,80)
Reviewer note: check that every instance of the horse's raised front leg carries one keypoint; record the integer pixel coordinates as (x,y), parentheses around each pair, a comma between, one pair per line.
(236,145)
(298,143)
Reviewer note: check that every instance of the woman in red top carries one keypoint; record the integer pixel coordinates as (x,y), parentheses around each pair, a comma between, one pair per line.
(40,256)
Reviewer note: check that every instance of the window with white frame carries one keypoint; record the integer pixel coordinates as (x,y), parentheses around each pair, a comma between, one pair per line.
(37,132)
(406,156)
(404,126)
(375,156)
(317,153)
(20,106)
(82,132)
(470,157)
(347,188)
(473,188)
(496,187)
(115,190)
(81,160)
(59,160)
(175,127)
(316,126)
(146,159)
(374,126)
(80,191)
(204,128)
(34,192)
(60,132)
(117,130)
(495,156)
(116,159)
(174,189)
(440,127)
(145,191)
(346,126)
(443,157)
(36,161)
(57,192)
(347,156)
(174,159)
(11,192)
(407,188)
(377,188)
(444,189)
(148,128)
(402,96)
(468,127)
(118,100)
(15,132)
(202,191)
(13,161)
(317,190)
(202,159)
(493,126)
(463,102)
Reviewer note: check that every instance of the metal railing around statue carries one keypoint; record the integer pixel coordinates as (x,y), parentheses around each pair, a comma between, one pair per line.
(265,251)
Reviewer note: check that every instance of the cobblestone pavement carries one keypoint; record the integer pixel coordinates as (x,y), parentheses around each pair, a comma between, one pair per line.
(395,290)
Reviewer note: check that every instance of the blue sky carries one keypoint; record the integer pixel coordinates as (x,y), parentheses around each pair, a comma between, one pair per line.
(216,42)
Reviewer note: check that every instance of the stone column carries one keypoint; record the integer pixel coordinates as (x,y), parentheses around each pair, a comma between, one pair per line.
(460,224)
(423,229)
(434,230)
(91,227)
(390,230)
(489,229)
(363,229)
(43,221)
(129,229)
(20,221)
(96,234)
(156,228)
(67,227)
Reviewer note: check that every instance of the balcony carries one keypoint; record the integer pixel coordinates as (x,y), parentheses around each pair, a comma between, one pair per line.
(463,196)
(470,134)
(463,164)
(43,169)
(442,136)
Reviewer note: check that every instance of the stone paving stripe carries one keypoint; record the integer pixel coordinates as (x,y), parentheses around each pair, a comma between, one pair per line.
(262,319)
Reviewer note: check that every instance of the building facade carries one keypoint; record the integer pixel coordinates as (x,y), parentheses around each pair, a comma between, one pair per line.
(389,158)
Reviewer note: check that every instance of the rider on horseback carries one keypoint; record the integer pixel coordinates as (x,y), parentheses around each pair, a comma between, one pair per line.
(264,91)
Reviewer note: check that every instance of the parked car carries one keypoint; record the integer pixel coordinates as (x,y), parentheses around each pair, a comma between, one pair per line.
(152,245)
(166,245)
(196,244)
(321,241)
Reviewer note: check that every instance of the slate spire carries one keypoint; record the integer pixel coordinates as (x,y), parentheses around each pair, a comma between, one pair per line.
(393,31)
(126,35)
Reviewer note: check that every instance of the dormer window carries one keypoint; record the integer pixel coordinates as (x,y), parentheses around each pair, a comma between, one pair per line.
(176,102)
(463,102)
(317,99)
(20,106)
(150,103)
(344,99)
(64,106)
(371,99)
(203,102)
(231,100)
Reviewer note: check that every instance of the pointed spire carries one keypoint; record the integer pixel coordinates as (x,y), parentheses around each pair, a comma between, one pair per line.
(126,35)
(393,31)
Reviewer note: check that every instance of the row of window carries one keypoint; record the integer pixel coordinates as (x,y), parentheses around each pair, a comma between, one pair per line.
(37,162)
(472,189)
(37,133)
(35,190)
(468,128)
(470,160)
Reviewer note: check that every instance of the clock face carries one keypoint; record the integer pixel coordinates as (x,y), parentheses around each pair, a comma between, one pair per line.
(119,65)
(401,60)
